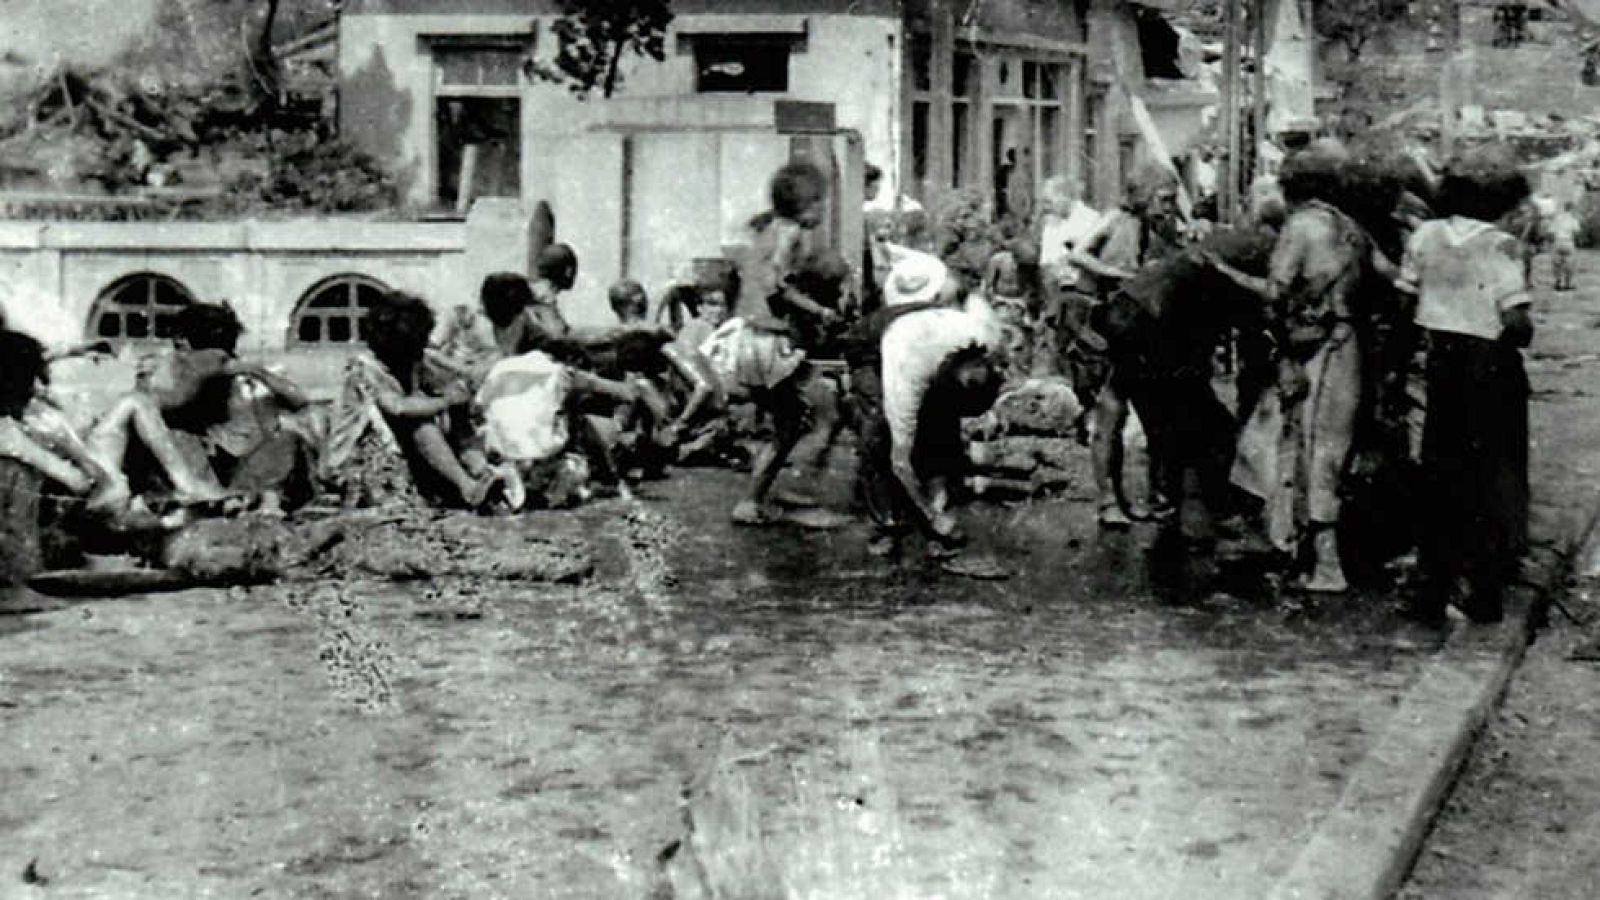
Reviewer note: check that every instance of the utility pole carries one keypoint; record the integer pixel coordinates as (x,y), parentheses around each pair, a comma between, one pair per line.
(1229,195)
(1450,77)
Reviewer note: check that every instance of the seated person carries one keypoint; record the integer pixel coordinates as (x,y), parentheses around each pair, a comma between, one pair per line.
(467,338)
(521,325)
(390,439)
(685,392)
(527,315)
(198,417)
(26,370)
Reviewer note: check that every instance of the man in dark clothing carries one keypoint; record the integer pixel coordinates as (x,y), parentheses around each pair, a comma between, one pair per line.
(1162,329)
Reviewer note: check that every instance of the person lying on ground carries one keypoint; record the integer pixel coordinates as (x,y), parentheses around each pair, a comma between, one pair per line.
(917,369)
(392,439)
(195,414)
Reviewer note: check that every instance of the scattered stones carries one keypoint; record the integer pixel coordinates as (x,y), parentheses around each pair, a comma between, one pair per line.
(649,541)
(357,659)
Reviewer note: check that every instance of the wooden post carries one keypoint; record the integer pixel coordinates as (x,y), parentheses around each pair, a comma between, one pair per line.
(1229,194)
(941,71)
(1451,78)
(1072,163)
(1258,88)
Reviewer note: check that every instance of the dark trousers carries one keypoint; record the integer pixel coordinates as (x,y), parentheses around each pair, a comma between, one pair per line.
(1187,429)
(1475,467)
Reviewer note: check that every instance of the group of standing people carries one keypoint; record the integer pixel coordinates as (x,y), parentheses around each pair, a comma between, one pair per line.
(1321,308)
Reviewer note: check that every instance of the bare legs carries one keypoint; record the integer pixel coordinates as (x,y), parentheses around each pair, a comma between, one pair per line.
(790,422)
(137,415)
(1106,453)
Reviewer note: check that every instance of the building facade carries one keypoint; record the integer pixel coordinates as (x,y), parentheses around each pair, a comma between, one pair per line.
(943,94)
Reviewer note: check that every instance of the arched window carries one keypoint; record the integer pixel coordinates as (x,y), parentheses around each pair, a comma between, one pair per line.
(138,307)
(334,311)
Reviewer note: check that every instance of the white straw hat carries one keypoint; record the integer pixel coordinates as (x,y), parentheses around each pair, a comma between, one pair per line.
(916,277)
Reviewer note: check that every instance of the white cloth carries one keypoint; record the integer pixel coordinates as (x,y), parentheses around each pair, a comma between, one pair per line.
(1060,236)
(913,348)
(1466,273)
(886,202)
(523,400)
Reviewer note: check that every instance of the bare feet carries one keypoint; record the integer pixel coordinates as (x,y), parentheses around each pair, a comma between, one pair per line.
(110,498)
(1112,517)
(749,512)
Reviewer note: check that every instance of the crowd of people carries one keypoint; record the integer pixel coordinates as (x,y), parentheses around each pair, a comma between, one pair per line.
(1316,303)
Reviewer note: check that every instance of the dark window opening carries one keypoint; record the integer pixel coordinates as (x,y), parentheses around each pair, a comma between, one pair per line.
(960,137)
(919,141)
(742,64)
(964,75)
(138,307)
(334,311)
(480,148)
(1158,45)
(922,62)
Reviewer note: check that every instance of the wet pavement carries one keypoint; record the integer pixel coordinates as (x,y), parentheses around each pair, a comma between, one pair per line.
(726,708)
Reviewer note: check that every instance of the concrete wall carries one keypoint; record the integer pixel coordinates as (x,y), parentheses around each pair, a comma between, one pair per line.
(387,93)
(51,274)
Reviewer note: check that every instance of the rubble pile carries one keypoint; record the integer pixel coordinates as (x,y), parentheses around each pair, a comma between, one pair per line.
(1027,445)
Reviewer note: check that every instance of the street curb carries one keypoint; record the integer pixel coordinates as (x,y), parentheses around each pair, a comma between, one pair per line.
(1365,847)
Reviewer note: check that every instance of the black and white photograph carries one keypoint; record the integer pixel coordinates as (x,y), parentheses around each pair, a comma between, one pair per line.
(800,449)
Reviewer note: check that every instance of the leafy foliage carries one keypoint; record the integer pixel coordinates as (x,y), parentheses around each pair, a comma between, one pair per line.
(965,234)
(1354,23)
(593,37)
(307,173)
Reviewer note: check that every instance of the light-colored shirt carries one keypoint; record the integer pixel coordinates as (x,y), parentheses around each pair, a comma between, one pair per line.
(522,402)
(1466,273)
(1317,262)
(1563,231)
(915,345)
(1059,236)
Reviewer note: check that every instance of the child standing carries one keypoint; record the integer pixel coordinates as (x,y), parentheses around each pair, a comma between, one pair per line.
(1563,230)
